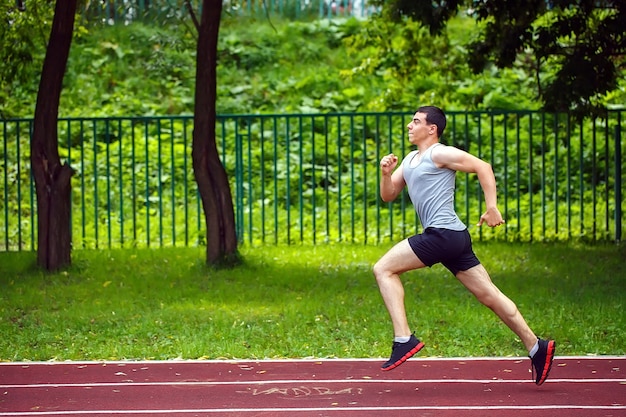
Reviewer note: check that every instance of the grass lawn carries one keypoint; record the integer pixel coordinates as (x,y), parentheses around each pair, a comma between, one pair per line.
(301,301)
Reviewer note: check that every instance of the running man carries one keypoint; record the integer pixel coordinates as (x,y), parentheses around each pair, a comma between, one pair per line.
(429,175)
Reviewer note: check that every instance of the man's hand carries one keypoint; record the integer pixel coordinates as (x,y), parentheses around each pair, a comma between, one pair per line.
(492,217)
(388,164)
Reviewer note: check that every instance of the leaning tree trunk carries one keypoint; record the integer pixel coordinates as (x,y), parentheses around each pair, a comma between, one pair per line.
(208,170)
(52,179)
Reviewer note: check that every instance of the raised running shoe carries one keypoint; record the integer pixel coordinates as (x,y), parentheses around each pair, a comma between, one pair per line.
(542,361)
(400,352)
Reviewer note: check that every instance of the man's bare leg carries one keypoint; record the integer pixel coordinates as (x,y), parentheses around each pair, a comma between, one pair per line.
(479,283)
(387,270)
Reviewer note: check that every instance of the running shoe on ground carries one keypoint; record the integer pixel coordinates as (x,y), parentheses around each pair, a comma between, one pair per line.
(400,352)
(542,361)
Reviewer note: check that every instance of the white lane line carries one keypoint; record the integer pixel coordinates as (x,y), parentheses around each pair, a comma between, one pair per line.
(124,362)
(295,410)
(313,381)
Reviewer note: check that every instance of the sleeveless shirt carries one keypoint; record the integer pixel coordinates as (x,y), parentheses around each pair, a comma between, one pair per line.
(431,190)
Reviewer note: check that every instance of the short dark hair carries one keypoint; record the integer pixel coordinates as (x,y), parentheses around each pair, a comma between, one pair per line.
(434,116)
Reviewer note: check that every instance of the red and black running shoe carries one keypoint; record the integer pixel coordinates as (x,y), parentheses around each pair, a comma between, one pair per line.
(542,360)
(400,352)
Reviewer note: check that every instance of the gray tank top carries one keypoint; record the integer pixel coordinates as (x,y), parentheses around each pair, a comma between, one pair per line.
(432,191)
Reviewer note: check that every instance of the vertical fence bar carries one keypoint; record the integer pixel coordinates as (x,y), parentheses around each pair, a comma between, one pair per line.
(120,168)
(618,180)
(107,132)
(186,180)
(555,193)
(581,182)
(33,199)
(313,184)
(376,170)
(275,172)
(250,182)
(238,183)
(82,183)
(95,184)
(262,199)
(478,187)
(159,182)
(594,176)
(326,178)
(365,190)
(133,181)
(288,179)
(543,175)
(506,173)
(300,178)
(34,229)
(173,179)
(339,178)
(19,189)
(5,157)
(69,162)
(517,174)
(607,226)
(531,190)
(352,217)
(147,178)
(568,171)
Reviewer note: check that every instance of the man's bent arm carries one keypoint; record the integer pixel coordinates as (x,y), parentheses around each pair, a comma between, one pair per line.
(391,182)
(459,160)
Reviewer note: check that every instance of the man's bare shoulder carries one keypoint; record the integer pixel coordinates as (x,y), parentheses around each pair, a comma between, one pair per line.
(443,154)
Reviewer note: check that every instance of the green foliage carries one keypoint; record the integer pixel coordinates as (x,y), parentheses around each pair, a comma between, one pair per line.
(274,66)
(144,71)
(581,40)
(23,37)
(574,48)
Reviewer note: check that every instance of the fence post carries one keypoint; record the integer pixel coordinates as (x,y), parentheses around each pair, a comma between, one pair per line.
(618,183)
(239,226)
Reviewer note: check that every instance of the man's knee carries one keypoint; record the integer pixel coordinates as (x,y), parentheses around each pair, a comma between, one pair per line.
(488,299)
(377,270)
(499,303)
(381,271)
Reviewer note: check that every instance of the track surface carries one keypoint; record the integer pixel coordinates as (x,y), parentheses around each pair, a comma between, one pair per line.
(577,387)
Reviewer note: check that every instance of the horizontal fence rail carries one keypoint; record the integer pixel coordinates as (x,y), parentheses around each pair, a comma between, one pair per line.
(314,178)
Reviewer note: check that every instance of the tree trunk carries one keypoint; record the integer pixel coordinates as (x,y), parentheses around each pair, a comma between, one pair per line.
(208,170)
(52,179)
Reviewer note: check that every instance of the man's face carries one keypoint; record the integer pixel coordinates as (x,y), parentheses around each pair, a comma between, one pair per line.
(418,129)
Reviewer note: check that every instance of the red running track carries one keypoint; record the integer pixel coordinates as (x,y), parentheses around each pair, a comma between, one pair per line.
(577,387)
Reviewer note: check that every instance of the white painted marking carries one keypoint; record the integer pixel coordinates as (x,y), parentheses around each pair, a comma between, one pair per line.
(295,410)
(610,408)
(302,360)
(311,381)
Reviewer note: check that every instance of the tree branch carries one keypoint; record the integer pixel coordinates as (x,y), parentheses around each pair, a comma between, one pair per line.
(193,15)
(267,14)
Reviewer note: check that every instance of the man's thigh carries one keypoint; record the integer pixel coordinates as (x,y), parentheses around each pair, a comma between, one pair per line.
(400,258)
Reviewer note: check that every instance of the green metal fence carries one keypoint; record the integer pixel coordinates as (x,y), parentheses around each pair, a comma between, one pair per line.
(126,11)
(313,178)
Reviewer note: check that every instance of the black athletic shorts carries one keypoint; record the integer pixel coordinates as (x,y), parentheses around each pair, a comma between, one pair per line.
(450,247)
